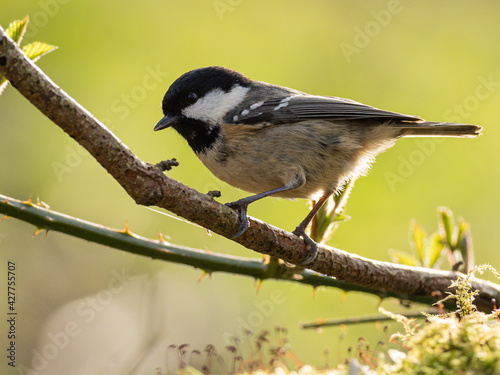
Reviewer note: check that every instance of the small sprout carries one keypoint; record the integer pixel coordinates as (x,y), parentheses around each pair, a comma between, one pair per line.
(210,349)
(463,293)
(446,225)
(236,340)
(231,349)
(194,355)
(457,265)
(214,194)
(381,344)
(263,336)
(258,344)
(211,353)
(436,246)
(326,221)
(450,239)
(406,322)
(36,50)
(247,332)
(403,257)
(166,165)
(418,241)
(33,50)
(171,351)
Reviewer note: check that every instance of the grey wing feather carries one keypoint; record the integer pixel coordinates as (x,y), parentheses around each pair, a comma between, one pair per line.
(289,109)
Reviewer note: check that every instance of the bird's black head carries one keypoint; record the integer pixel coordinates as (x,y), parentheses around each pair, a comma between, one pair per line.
(198,101)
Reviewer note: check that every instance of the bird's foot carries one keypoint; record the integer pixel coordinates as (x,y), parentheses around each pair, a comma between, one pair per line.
(313,251)
(241,207)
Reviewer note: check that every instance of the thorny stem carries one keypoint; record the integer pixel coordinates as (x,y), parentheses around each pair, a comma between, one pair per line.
(49,220)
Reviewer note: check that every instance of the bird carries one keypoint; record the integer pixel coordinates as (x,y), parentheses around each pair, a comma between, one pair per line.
(272,140)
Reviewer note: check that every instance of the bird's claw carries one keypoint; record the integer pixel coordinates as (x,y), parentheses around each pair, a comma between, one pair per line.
(242,209)
(313,251)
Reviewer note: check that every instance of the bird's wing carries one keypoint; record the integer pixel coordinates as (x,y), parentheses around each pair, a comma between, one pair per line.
(296,108)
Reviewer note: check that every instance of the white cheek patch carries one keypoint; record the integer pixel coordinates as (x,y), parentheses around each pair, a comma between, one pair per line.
(212,107)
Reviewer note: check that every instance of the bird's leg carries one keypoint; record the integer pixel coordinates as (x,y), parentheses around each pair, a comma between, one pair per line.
(241,206)
(301,229)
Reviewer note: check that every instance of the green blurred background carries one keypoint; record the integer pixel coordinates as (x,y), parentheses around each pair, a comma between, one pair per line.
(439,60)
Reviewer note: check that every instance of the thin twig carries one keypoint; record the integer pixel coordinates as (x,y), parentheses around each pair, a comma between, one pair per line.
(360,320)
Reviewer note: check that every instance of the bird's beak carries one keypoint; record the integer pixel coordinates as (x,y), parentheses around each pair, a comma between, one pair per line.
(166,121)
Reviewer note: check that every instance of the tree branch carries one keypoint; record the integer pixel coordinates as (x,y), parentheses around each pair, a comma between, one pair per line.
(46,219)
(148,185)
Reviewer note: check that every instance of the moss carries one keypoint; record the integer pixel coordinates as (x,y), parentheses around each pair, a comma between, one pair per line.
(444,345)
(463,342)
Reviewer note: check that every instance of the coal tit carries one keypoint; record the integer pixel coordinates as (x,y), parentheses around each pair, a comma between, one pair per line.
(273,140)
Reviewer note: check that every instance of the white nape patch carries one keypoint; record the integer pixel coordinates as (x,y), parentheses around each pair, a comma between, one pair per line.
(245,112)
(256,105)
(212,107)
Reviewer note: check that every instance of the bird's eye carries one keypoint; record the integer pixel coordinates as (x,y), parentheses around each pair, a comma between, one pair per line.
(191,98)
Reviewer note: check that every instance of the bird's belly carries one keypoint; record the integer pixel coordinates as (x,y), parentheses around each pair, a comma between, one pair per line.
(255,176)
(261,159)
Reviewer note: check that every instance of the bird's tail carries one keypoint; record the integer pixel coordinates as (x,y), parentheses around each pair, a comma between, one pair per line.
(439,129)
